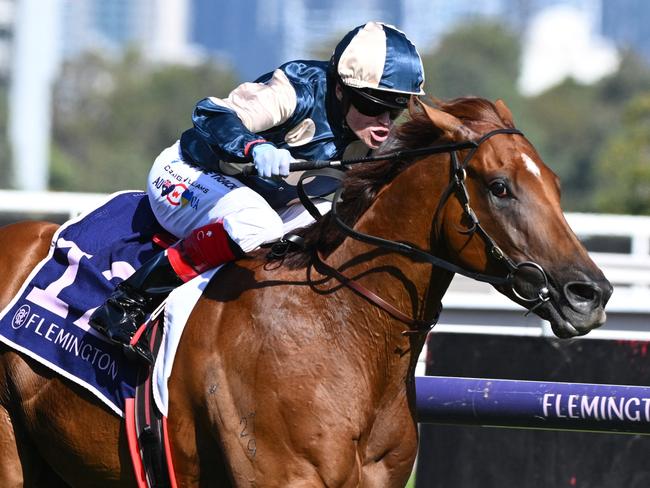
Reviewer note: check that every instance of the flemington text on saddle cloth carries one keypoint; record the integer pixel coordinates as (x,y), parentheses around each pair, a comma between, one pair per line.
(48,318)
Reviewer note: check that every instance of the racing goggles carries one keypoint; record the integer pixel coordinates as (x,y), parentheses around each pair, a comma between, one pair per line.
(373,103)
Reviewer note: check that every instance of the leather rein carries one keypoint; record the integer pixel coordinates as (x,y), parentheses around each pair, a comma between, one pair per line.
(456,187)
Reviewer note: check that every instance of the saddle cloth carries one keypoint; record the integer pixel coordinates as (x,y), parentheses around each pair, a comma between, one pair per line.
(48,319)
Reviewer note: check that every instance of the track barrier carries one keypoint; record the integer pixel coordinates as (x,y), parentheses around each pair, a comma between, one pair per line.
(533,404)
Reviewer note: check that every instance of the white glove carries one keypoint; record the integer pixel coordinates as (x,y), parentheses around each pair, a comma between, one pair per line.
(271,161)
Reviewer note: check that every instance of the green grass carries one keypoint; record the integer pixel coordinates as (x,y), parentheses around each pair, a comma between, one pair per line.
(411,482)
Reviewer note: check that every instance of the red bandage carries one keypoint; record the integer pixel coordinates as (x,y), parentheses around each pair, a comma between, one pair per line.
(252,144)
(205,248)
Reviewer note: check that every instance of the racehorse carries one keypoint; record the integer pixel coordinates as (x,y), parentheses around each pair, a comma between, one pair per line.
(299,372)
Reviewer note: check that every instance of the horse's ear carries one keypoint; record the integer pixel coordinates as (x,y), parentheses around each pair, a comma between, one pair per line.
(447,123)
(504,112)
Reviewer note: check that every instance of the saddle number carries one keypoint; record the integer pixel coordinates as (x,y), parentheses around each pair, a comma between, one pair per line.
(48,298)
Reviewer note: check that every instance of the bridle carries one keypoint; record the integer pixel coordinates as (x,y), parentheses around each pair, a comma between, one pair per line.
(459,189)
(456,187)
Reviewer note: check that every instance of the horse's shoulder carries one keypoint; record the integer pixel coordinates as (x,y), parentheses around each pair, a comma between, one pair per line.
(272,270)
(251,274)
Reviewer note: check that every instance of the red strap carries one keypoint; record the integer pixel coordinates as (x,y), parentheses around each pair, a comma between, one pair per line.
(178,261)
(134,448)
(168,454)
(164,240)
(138,334)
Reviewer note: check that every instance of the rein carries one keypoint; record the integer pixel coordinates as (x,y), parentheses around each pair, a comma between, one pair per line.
(456,187)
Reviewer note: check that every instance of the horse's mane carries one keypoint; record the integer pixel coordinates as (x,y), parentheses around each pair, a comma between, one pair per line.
(363,182)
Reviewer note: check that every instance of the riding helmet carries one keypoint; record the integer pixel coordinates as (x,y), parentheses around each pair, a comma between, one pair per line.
(378,62)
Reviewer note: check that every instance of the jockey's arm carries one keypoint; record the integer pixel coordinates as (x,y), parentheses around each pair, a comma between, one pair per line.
(231,125)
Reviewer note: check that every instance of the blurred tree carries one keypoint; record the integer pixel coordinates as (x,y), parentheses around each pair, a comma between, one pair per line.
(481,58)
(323,50)
(631,78)
(577,121)
(623,167)
(112,118)
(569,124)
(573,123)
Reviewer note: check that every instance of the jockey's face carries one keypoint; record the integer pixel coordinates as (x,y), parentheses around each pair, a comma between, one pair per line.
(372,130)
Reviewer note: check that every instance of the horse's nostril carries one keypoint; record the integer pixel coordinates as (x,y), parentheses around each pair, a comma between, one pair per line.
(583,295)
(583,291)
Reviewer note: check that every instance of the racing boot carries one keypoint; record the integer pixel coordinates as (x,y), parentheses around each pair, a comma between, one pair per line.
(120,317)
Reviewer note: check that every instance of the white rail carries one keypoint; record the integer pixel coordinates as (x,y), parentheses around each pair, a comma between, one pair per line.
(27,204)
(629,271)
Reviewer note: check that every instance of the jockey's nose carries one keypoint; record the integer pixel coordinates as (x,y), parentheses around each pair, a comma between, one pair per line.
(384,118)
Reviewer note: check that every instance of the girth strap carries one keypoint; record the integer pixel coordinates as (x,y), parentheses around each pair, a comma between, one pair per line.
(146,426)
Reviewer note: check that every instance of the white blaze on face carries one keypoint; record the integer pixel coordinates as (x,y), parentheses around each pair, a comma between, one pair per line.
(530,165)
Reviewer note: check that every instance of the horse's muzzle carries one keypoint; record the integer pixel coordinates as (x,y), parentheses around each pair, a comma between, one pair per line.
(581,307)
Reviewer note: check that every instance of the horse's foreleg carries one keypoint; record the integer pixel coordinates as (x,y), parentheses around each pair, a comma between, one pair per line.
(391,449)
(11,471)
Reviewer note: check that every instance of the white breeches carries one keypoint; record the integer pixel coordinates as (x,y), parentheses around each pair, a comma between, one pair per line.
(184,197)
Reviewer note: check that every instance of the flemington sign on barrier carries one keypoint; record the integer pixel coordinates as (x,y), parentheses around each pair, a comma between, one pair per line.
(565,398)
(533,404)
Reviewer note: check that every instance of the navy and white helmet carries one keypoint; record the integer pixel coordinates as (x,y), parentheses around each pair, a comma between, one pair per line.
(378,62)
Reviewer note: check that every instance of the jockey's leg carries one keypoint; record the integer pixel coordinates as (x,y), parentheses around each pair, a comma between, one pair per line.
(136,297)
(218,220)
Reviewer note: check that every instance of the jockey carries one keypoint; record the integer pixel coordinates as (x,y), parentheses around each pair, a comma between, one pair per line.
(304,109)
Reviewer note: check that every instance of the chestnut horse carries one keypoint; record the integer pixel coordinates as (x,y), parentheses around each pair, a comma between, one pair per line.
(288,374)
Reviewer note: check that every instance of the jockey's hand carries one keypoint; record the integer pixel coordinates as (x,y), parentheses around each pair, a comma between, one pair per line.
(271,161)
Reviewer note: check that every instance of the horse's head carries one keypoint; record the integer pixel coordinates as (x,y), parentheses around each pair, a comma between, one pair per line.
(511,224)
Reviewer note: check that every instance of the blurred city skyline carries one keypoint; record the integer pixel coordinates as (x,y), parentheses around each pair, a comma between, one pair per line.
(560,38)
(253,37)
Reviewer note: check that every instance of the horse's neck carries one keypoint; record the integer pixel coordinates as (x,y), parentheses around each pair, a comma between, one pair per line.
(403,211)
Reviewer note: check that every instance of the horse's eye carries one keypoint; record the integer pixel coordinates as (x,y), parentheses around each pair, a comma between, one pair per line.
(499,189)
